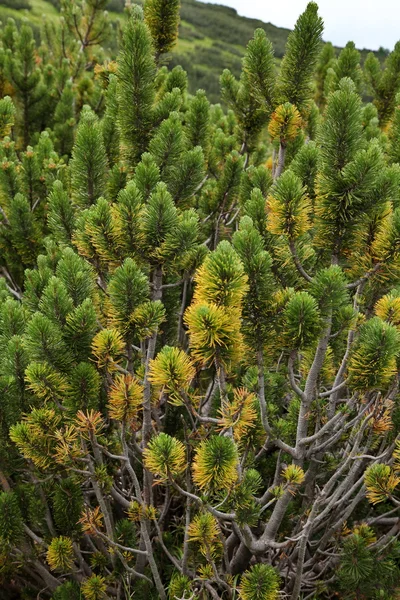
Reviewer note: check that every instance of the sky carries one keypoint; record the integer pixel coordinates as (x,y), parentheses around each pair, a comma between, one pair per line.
(368,23)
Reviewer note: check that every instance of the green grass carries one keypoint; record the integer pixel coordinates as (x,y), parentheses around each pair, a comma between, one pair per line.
(35,15)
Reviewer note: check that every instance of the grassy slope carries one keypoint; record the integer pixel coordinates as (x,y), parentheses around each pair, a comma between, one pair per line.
(34,16)
(212,38)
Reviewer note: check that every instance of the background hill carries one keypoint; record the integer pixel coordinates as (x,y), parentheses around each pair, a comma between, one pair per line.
(211,37)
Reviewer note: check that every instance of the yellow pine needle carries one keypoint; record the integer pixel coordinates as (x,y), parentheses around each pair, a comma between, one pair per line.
(215,464)
(396,456)
(283,218)
(59,554)
(221,283)
(366,532)
(240,414)
(382,417)
(205,572)
(172,371)
(214,331)
(165,456)
(67,446)
(388,309)
(91,520)
(125,399)
(204,530)
(285,123)
(107,347)
(294,476)
(380,481)
(89,422)
(135,511)
(94,588)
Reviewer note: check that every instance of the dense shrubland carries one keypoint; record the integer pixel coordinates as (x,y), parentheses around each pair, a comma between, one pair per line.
(200,317)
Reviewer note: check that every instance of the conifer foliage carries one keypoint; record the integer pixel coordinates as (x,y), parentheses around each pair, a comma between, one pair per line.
(199,318)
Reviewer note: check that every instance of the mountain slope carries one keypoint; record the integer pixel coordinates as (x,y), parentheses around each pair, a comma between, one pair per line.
(211,38)
(214,37)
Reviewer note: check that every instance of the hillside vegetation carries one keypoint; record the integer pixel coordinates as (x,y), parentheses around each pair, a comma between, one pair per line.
(211,37)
